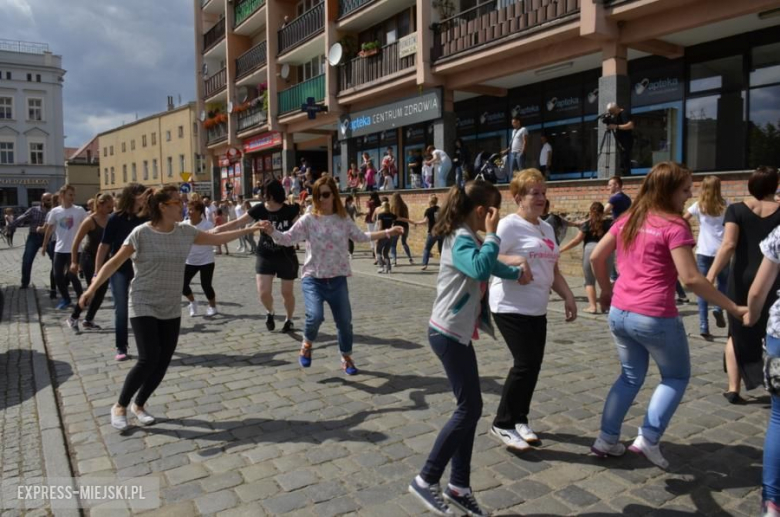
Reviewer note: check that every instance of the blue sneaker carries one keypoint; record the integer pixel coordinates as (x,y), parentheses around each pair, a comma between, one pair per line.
(431,498)
(348,366)
(64,304)
(464,502)
(305,357)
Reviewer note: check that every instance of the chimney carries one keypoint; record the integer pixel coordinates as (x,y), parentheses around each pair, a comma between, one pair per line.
(170,103)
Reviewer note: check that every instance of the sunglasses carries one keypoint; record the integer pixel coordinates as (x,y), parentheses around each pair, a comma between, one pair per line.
(325,195)
(173,202)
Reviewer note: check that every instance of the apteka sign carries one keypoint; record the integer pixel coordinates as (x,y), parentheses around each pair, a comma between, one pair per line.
(413,110)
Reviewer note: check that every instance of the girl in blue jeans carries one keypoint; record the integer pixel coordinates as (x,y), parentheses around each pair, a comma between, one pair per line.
(654,247)
(459,313)
(759,290)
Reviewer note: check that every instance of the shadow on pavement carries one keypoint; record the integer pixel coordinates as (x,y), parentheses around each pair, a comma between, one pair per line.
(17,384)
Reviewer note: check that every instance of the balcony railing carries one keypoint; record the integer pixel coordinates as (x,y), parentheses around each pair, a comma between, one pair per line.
(304,27)
(347,6)
(291,99)
(254,58)
(252,117)
(214,35)
(217,133)
(204,2)
(364,70)
(486,23)
(246,8)
(216,83)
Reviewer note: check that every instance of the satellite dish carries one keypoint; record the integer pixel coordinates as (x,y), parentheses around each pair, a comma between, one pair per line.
(203,116)
(244,94)
(205,70)
(335,54)
(285,71)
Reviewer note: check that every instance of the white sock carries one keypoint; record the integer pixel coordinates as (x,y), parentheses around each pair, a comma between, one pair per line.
(459,490)
(421,482)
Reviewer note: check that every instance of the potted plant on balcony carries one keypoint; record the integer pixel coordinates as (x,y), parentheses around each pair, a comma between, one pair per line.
(369,49)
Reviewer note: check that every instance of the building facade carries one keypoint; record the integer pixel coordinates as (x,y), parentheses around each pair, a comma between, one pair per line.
(329,80)
(82,170)
(161,149)
(32,134)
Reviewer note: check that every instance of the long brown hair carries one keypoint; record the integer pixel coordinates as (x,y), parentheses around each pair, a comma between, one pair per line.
(398,206)
(596,219)
(126,202)
(461,201)
(159,197)
(711,201)
(328,181)
(655,195)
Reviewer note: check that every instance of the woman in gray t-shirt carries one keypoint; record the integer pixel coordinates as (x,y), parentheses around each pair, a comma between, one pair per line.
(159,250)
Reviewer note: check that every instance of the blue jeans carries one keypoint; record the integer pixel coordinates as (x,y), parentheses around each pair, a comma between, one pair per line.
(394,245)
(31,249)
(334,291)
(638,338)
(704,263)
(429,242)
(120,290)
(456,439)
(771,476)
(459,176)
(516,162)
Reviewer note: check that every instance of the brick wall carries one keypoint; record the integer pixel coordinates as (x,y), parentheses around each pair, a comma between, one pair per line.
(571,199)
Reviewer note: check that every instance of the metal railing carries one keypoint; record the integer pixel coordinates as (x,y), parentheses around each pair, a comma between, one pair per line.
(252,117)
(254,58)
(204,2)
(487,22)
(304,27)
(217,133)
(214,35)
(291,99)
(23,47)
(365,70)
(216,83)
(246,8)
(347,6)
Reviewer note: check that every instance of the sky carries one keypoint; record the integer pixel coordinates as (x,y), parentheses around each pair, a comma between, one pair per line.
(123,57)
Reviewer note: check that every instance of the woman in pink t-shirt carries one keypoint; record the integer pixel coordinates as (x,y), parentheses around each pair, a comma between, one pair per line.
(654,247)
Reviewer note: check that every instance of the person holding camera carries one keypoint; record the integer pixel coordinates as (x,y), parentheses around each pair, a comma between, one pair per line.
(618,120)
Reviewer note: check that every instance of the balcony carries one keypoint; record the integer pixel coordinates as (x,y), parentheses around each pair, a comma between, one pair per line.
(252,117)
(365,70)
(246,8)
(214,36)
(251,60)
(216,83)
(291,99)
(348,6)
(486,23)
(303,28)
(217,134)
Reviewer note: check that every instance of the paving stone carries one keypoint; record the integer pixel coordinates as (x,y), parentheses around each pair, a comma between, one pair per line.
(186,473)
(216,502)
(295,480)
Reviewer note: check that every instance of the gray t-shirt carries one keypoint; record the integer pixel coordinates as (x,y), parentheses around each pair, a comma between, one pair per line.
(158,263)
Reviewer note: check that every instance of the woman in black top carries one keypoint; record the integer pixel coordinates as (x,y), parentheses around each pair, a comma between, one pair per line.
(401,211)
(430,217)
(746,225)
(591,233)
(384,218)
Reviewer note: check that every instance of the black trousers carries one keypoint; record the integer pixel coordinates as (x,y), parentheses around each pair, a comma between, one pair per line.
(206,278)
(156,340)
(87,262)
(63,276)
(526,337)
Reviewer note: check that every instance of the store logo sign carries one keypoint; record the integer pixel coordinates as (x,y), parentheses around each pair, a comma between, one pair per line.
(413,110)
(491,118)
(559,104)
(593,96)
(344,126)
(531,110)
(660,86)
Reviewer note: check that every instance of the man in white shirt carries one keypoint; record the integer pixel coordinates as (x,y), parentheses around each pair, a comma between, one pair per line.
(211,209)
(545,158)
(64,221)
(517,146)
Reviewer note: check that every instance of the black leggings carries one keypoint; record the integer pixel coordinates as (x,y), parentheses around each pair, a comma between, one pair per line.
(88,267)
(206,276)
(156,340)
(62,276)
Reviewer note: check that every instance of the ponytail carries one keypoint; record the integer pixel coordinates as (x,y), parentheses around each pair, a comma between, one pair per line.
(461,201)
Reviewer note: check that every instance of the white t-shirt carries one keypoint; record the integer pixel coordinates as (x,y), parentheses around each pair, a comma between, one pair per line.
(517,145)
(710,231)
(239,211)
(66,222)
(211,212)
(546,148)
(440,156)
(200,255)
(537,244)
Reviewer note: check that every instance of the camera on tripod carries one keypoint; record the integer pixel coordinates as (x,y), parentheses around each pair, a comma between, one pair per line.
(607,118)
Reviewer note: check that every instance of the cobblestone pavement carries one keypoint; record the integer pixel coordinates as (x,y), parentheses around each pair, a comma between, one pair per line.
(245,431)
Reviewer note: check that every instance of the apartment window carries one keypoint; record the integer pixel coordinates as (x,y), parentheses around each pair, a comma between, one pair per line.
(154,169)
(6,108)
(29,78)
(305,5)
(113,178)
(146,170)
(195,129)
(132,145)
(154,138)
(8,75)
(167,136)
(143,141)
(312,68)
(35,109)
(37,78)
(111,150)
(124,173)
(181,131)
(36,153)
(170,167)
(6,153)
(181,163)
(105,176)
(124,147)
(105,152)
(133,174)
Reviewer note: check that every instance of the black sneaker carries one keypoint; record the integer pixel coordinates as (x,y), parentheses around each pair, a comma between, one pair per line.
(431,498)
(465,503)
(88,325)
(270,324)
(288,325)
(720,321)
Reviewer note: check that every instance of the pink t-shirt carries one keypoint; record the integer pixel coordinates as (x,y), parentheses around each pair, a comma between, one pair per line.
(647,273)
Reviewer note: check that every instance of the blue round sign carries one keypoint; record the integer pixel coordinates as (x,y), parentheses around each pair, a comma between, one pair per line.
(185,188)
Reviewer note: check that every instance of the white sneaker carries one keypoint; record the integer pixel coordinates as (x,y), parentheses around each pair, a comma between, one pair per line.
(193,308)
(142,416)
(118,421)
(211,311)
(652,452)
(602,449)
(511,439)
(526,433)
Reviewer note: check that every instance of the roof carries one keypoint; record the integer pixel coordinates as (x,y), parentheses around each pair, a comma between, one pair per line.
(189,105)
(93,146)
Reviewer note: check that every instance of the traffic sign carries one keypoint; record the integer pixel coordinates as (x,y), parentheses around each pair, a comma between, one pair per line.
(185,188)
(185,176)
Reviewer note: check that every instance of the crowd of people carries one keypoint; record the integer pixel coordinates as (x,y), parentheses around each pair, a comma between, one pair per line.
(151,243)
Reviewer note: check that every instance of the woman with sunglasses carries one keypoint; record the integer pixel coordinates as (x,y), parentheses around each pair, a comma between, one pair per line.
(158,250)
(327,231)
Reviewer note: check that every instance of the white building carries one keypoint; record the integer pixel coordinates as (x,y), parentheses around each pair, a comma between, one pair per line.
(32,139)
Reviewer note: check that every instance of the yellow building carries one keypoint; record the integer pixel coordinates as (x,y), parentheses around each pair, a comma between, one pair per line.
(153,151)
(82,170)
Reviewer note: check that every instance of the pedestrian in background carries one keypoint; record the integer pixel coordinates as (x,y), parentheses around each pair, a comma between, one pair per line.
(36,219)
(8,217)
(430,217)
(200,260)
(401,212)
(545,157)
(460,161)
(518,143)
(384,219)
(439,158)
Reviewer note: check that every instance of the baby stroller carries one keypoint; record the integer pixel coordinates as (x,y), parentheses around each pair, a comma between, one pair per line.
(487,167)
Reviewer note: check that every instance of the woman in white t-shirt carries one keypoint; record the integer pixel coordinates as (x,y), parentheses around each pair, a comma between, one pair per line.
(520,311)
(709,210)
(200,260)
(442,159)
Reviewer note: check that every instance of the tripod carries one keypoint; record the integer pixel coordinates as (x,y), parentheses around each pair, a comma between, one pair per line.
(609,135)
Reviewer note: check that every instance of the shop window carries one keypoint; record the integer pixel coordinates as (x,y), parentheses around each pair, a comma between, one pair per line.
(9,196)
(34,196)
(765,65)
(567,143)
(717,74)
(764,126)
(715,129)
(656,134)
